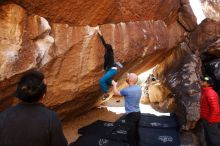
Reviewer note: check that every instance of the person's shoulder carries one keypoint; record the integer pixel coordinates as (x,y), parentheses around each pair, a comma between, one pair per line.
(210,92)
(9,110)
(132,87)
(3,113)
(124,89)
(137,87)
(48,110)
(45,109)
(52,114)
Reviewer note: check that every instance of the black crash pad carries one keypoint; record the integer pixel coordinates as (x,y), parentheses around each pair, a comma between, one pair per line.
(93,140)
(114,131)
(158,137)
(152,121)
(119,133)
(98,128)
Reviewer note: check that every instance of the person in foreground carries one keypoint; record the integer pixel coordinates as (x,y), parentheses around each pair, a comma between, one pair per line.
(29,123)
(132,95)
(210,112)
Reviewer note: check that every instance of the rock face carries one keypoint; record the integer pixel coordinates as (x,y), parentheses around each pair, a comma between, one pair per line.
(11,37)
(156,92)
(211,9)
(158,96)
(214,48)
(24,40)
(24,43)
(78,63)
(95,12)
(204,35)
(182,79)
(186,16)
(72,56)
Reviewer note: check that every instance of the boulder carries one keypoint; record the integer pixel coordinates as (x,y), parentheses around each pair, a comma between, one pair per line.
(181,78)
(211,9)
(186,16)
(204,35)
(96,12)
(71,57)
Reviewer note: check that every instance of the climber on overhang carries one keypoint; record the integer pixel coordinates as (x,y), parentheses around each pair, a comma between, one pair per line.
(110,67)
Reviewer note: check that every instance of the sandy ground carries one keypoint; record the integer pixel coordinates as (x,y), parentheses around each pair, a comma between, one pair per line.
(103,112)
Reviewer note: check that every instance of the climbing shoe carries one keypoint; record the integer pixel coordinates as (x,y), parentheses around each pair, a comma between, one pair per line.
(106,95)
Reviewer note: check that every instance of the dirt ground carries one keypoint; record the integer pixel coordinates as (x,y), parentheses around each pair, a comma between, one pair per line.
(103,112)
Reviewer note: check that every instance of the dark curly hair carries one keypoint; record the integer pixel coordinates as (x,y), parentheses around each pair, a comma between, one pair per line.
(31,87)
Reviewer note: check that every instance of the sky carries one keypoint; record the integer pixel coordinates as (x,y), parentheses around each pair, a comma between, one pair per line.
(197,9)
